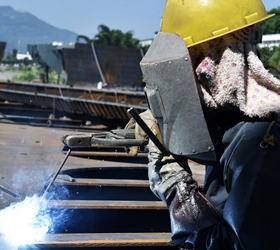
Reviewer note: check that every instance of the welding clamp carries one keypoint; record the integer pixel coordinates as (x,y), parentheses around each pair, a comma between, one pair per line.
(113,138)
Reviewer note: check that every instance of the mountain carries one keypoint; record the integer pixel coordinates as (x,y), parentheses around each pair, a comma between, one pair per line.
(18,29)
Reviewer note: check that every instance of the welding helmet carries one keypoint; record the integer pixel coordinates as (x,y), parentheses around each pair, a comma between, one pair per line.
(173,98)
(202,20)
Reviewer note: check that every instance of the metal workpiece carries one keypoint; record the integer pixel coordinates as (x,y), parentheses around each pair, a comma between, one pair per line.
(110,240)
(108,104)
(117,67)
(104,197)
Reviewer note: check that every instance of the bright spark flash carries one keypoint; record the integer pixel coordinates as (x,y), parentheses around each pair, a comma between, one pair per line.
(25,222)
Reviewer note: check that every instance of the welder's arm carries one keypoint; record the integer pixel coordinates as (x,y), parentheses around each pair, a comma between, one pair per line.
(189,210)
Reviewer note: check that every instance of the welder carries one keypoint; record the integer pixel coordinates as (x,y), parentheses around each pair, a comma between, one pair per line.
(223,112)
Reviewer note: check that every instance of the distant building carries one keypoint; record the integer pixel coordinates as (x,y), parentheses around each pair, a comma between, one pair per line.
(146,42)
(22,56)
(61,45)
(270,40)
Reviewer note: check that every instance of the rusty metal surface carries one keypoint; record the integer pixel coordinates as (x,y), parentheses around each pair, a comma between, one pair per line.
(83,101)
(102,240)
(100,204)
(29,155)
(124,212)
(36,152)
(65,180)
(120,66)
(37,116)
(115,154)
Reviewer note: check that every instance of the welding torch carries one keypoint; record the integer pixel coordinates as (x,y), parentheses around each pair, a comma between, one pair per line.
(56,174)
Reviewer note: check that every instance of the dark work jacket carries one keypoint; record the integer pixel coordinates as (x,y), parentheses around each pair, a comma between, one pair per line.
(243,186)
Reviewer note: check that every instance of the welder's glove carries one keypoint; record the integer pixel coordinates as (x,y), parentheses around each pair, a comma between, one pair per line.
(189,210)
(161,169)
(151,122)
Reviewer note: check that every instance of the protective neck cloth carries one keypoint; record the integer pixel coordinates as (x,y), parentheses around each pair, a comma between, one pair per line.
(232,76)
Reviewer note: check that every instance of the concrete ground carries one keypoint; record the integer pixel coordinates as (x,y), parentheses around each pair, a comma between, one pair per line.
(5,76)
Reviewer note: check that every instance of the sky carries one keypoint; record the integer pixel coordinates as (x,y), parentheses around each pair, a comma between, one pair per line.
(83,16)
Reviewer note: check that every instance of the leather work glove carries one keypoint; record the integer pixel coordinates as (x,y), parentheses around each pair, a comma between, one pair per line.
(151,122)
(160,169)
(189,210)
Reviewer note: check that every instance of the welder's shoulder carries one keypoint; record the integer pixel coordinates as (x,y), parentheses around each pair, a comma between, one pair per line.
(263,129)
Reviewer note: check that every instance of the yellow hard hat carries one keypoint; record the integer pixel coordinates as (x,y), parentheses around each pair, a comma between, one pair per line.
(198,21)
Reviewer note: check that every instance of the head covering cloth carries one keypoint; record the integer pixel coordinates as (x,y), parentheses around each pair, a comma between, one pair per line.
(231,76)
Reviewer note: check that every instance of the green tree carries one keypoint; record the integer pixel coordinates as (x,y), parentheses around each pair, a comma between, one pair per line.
(82,37)
(271,25)
(14,53)
(268,55)
(116,38)
(128,41)
(113,37)
(271,59)
(103,36)
(275,62)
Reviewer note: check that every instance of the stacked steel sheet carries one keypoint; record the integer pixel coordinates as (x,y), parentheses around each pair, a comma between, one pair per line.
(110,104)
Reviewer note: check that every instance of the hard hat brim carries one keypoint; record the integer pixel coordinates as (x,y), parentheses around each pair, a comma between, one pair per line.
(228,32)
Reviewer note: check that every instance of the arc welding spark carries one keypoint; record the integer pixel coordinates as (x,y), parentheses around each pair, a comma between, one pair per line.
(25,222)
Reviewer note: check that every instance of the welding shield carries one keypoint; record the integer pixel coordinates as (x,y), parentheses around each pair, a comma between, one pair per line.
(173,98)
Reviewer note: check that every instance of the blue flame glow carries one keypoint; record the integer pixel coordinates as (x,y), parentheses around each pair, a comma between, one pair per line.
(25,222)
